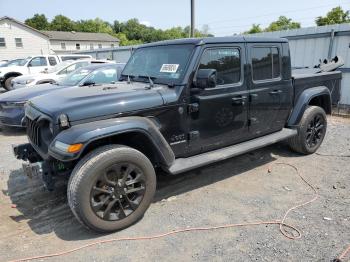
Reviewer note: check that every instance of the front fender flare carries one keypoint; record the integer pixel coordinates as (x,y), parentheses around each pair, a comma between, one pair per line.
(89,132)
(303,101)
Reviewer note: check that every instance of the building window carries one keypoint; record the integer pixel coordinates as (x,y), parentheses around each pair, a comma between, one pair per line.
(18,42)
(77,46)
(63,46)
(266,63)
(91,46)
(99,45)
(2,42)
(226,62)
(112,45)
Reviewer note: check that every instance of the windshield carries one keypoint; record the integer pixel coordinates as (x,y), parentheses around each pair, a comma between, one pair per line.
(59,66)
(22,62)
(15,62)
(161,63)
(75,77)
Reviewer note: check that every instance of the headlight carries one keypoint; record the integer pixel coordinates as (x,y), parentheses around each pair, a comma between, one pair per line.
(75,148)
(30,81)
(23,82)
(64,122)
(14,104)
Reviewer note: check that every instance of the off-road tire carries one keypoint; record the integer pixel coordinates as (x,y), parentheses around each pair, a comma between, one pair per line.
(86,171)
(7,83)
(299,143)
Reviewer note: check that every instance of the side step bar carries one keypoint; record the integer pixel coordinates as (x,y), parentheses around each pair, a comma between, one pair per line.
(185,164)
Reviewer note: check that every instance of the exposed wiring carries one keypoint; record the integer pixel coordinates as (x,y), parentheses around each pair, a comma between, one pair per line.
(283,227)
(343,255)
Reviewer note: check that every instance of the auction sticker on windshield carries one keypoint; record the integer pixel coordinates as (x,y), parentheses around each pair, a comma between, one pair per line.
(169,68)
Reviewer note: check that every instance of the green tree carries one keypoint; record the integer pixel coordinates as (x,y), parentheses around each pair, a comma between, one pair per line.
(96,25)
(283,23)
(255,29)
(125,41)
(336,16)
(62,23)
(38,21)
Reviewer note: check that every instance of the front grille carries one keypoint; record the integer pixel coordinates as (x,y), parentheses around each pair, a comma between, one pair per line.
(33,131)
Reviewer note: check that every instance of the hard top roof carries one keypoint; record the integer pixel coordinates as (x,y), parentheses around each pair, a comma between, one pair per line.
(218,40)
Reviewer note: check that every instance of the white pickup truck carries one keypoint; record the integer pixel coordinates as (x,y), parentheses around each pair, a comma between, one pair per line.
(34,65)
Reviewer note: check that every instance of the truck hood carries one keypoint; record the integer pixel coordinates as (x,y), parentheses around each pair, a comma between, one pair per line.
(33,76)
(80,103)
(4,70)
(24,94)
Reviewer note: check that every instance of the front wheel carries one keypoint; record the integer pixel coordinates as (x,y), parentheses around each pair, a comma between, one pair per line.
(311,131)
(111,188)
(7,83)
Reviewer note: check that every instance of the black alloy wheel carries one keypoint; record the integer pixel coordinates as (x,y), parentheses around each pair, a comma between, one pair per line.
(118,191)
(315,131)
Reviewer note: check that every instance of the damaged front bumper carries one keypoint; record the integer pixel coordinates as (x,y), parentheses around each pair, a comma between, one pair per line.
(34,165)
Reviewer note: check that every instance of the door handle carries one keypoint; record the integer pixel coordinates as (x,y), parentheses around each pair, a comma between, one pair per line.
(275,92)
(239,99)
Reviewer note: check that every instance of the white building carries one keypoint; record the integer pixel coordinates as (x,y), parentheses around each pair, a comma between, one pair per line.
(17,40)
(68,42)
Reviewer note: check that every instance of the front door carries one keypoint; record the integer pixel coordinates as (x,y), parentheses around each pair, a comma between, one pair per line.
(218,115)
(37,64)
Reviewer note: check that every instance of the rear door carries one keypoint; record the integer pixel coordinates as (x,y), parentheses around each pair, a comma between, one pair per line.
(218,116)
(267,88)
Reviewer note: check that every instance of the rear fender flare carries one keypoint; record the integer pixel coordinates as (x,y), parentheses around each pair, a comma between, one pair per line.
(89,132)
(304,101)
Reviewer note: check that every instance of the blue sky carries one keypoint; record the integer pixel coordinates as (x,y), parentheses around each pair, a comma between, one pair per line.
(224,17)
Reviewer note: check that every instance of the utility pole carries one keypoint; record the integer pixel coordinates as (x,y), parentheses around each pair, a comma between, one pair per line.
(192,18)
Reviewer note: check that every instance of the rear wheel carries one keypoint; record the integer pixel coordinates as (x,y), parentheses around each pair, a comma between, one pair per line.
(311,131)
(111,188)
(7,83)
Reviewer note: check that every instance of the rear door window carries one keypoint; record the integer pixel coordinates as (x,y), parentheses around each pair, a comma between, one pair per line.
(52,61)
(265,63)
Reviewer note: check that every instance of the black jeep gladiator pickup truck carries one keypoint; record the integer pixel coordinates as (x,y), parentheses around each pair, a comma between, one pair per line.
(179,105)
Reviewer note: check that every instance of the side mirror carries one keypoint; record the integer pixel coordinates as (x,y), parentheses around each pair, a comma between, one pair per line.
(88,83)
(206,78)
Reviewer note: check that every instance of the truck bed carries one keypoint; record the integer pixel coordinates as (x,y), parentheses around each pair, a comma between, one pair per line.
(306,78)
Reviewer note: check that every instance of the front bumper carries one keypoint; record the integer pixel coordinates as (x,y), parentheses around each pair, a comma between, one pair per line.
(26,152)
(17,85)
(13,117)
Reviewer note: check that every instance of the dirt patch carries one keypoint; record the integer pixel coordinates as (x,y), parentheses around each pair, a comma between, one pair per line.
(34,221)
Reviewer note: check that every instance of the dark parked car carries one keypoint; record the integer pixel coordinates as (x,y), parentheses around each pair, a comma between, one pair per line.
(12,103)
(182,104)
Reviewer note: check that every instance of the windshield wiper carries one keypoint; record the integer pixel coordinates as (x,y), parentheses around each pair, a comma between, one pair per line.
(150,79)
(129,78)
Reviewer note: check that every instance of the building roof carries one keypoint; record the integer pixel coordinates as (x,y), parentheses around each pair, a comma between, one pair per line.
(80,36)
(22,24)
(320,31)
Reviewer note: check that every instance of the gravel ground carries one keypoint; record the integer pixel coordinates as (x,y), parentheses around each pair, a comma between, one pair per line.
(235,191)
